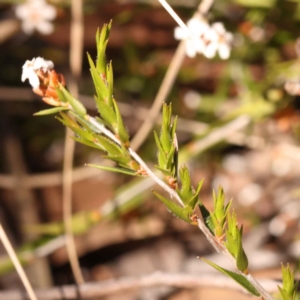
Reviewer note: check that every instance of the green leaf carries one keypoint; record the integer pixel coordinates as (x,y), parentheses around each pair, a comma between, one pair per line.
(165,139)
(102,40)
(107,113)
(284,295)
(164,171)
(162,159)
(194,200)
(186,191)
(83,133)
(231,244)
(120,159)
(241,257)
(240,279)
(170,160)
(76,104)
(116,170)
(88,143)
(111,147)
(206,217)
(174,208)
(50,111)
(289,285)
(100,85)
(121,129)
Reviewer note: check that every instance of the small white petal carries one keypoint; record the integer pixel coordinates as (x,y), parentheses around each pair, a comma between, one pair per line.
(34,80)
(219,28)
(180,34)
(41,63)
(49,13)
(210,50)
(199,45)
(211,35)
(45,27)
(197,27)
(28,27)
(224,51)
(190,49)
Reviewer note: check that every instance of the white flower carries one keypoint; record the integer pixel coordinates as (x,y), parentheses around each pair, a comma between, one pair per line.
(36,14)
(31,67)
(40,63)
(218,40)
(194,41)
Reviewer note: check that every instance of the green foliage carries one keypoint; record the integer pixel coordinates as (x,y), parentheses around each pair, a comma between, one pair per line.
(65,96)
(219,214)
(234,243)
(167,145)
(109,134)
(50,111)
(102,74)
(289,286)
(240,279)
(183,213)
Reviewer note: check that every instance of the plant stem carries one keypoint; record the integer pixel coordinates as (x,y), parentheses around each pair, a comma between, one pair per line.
(17,263)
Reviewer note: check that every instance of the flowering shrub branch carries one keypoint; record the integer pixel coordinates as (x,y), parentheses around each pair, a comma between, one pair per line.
(108,133)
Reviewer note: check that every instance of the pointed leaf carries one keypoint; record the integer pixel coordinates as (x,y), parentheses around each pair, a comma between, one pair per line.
(162,159)
(175,209)
(240,279)
(116,170)
(111,147)
(173,131)
(120,159)
(76,104)
(100,85)
(165,139)
(170,159)
(241,257)
(164,171)
(284,295)
(194,200)
(88,143)
(121,129)
(107,113)
(50,111)
(206,217)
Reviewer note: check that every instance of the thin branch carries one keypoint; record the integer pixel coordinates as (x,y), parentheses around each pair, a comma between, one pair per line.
(112,287)
(76,45)
(17,264)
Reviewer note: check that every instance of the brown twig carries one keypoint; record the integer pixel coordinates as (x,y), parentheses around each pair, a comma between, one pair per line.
(76,45)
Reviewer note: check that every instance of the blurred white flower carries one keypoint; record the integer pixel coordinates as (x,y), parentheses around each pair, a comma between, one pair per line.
(218,40)
(194,41)
(31,67)
(36,15)
(205,39)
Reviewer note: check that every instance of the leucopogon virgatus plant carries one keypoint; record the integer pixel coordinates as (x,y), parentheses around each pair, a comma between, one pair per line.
(108,134)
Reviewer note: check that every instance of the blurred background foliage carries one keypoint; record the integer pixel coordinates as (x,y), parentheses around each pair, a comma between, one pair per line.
(258,168)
